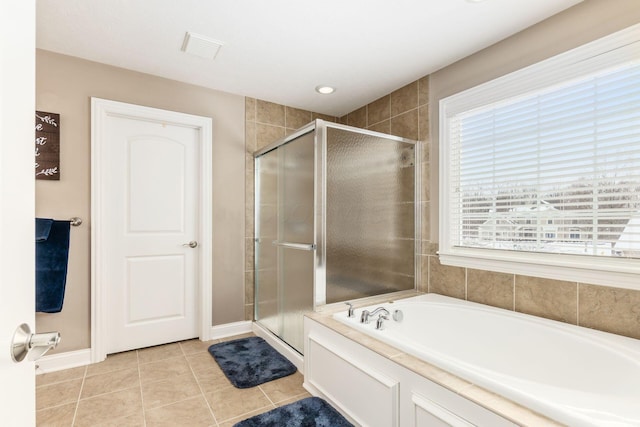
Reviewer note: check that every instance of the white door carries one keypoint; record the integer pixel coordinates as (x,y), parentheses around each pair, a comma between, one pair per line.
(151,230)
(17,271)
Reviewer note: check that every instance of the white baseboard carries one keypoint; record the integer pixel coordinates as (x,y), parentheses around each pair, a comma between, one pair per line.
(60,361)
(230,329)
(73,359)
(282,348)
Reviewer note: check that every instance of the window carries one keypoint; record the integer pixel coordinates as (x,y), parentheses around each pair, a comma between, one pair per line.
(552,151)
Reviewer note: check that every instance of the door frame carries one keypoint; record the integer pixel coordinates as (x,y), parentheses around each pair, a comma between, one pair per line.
(101,109)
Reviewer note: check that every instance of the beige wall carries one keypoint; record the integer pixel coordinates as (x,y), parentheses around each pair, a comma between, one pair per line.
(65,85)
(601,307)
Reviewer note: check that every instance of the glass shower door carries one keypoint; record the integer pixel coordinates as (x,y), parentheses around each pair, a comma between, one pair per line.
(285,249)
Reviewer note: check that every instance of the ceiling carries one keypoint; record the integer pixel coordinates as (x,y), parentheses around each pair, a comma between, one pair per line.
(280,50)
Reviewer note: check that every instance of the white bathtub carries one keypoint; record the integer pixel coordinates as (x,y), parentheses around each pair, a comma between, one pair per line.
(574,375)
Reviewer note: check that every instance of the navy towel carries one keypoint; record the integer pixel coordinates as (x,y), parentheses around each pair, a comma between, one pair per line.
(43,228)
(52,255)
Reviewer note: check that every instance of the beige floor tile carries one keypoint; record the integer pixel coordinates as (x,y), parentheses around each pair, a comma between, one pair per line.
(164,392)
(293,399)
(231,422)
(213,382)
(191,412)
(232,402)
(108,407)
(203,364)
(284,388)
(169,381)
(59,376)
(114,362)
(110,382)
(133,420)
(58,393)
(196,346)
(58,416)
(164,369)
(159,352)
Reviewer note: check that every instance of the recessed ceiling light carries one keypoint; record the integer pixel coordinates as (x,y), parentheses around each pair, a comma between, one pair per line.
(325,90)
(201,46)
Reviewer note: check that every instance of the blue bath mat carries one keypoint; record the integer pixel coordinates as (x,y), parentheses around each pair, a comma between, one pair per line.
(309,412)
(248,362)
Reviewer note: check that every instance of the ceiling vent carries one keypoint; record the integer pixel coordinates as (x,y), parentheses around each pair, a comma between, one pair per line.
(201,46)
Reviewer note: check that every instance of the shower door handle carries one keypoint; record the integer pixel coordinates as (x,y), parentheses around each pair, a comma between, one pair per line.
(299,246)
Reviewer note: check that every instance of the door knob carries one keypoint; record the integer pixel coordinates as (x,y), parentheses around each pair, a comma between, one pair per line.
(35,345)
(191,244)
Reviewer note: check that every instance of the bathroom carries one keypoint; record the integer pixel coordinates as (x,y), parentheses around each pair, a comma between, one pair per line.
(247,124)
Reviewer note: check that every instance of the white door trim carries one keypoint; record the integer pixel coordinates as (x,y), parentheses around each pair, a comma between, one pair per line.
(101,109)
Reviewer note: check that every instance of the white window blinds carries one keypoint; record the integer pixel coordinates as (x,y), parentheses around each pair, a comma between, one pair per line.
(557,170)
(540,168)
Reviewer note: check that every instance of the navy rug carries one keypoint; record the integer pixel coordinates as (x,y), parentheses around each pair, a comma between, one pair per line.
(309,412)
(249,362)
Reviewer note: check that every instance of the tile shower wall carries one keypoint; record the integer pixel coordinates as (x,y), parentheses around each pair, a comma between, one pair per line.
(265,122)
(404,113)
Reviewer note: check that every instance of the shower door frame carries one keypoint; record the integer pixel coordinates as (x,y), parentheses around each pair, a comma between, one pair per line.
(320,204)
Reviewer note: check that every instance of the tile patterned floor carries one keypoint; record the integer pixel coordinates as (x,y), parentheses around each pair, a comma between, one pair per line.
(175,384)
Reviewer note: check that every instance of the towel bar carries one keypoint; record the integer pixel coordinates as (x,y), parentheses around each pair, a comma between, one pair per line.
(75,221)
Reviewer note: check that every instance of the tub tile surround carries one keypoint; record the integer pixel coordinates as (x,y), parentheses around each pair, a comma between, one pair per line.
(491,401)
(604,308)
(172,384)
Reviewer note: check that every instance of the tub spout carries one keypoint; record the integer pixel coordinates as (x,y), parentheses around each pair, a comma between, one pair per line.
(366,316)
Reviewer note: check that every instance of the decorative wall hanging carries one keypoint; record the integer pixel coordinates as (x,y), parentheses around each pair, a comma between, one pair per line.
(47,145)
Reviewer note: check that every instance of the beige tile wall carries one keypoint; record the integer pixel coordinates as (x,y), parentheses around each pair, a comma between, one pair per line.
(404,112)
(265,122)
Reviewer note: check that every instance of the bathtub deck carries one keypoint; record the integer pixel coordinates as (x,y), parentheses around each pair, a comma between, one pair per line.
(487,399)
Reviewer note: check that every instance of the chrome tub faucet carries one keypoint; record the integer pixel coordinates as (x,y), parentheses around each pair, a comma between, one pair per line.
(366,316)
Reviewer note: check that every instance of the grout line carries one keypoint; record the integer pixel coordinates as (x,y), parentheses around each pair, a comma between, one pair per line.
(265,395)
(215,420)
(108,392)
(144,413)
(428,273)
(296,396)
(513,307)
(466,284)
(75,413)
(577,303)
(244,415)
(393,117)
(270,124)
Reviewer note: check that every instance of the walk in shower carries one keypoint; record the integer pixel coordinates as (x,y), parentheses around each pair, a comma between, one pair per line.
(336,219)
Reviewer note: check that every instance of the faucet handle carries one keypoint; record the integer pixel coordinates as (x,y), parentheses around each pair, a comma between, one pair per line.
(351,311)
(380,322)
(398,316)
